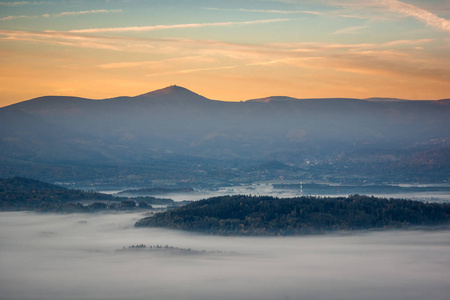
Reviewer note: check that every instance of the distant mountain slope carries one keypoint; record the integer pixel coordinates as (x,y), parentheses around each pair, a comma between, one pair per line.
(379,99)
(444,102)
(176,122)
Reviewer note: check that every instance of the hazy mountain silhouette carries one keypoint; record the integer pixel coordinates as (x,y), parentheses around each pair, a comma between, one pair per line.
(176,121)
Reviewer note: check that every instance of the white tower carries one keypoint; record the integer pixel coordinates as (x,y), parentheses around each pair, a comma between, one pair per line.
(301,188)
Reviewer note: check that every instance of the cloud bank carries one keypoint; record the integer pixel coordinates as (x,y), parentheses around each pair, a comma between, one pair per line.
(55,257)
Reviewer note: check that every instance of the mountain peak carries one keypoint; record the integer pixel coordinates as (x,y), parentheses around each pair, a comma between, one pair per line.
(174,90)
(173,94)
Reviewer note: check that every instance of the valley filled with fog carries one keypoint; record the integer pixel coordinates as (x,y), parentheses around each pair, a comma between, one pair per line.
(47,256)
(438,193)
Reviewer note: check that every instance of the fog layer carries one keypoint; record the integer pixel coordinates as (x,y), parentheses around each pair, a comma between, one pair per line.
(74,257)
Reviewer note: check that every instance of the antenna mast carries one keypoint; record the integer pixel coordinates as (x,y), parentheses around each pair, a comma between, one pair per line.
(301,188)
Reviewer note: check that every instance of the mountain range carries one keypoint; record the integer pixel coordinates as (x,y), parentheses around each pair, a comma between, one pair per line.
(176,131)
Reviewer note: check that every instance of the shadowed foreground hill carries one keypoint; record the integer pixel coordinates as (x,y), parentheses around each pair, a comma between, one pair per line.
(247,215)
(28,194)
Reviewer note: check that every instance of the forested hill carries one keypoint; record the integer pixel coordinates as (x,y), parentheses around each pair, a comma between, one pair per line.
(247,215)
(23,193)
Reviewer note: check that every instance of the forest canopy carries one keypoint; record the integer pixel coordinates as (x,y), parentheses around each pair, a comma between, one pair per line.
(263,215)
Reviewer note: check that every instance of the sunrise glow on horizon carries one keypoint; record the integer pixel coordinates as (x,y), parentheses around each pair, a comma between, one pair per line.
(225,50)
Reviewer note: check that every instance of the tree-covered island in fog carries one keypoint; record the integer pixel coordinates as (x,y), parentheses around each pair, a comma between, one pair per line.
(251,215)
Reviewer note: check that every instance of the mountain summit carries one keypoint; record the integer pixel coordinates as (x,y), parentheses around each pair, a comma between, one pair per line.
(174,93)
(173,89)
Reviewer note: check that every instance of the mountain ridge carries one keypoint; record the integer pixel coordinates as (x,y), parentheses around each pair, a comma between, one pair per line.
(174,91)
(174,122)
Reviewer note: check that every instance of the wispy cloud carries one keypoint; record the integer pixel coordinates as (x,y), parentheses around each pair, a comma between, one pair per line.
(405,9)
(272,62)
(165,46)
(174,26)
(420,14)
(63,14)
(406,58)
(178,45)
(350,30)
(17,17)
(187,71)
(65,39)
(84,12)
(122,65)
(157,63)
(272,11)
(20,3)
(290,12)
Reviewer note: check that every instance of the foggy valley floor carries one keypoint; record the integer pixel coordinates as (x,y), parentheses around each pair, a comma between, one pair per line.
(74,257)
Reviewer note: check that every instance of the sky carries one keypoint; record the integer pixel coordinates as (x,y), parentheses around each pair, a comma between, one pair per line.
(225,50)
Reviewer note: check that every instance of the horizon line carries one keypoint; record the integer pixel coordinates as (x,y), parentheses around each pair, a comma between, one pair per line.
(236,101)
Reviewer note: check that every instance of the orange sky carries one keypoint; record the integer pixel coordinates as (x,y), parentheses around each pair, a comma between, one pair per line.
(231,51)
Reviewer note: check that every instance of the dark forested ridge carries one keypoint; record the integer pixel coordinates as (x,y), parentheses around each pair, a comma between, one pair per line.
(25,193)
(28,194)
(247,215)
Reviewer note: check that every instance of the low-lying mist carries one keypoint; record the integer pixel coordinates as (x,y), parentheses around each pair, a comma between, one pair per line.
(74,256)
(267,189)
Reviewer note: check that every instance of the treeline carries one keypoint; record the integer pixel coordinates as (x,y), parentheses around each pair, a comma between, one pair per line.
(317,188)
(250,215)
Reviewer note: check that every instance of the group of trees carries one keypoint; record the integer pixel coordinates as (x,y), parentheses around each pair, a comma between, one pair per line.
(247,215)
